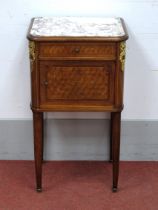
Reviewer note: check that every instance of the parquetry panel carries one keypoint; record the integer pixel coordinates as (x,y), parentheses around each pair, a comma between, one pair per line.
(80,83)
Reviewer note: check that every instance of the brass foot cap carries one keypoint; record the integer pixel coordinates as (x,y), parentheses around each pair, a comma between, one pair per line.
(39,189)
(114,189)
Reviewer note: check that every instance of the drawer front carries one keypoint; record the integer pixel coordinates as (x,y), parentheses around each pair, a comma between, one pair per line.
(74,82)
(77,50)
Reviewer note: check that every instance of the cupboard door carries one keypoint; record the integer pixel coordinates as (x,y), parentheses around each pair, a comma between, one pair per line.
(73,82)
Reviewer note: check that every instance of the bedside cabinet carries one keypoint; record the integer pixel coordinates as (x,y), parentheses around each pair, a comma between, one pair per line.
(77,64)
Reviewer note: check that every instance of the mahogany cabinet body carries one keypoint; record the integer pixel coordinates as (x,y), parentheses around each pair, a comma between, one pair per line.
(77,74)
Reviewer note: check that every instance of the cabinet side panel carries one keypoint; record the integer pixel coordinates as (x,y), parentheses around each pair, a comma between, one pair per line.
(119,82)
(33,53)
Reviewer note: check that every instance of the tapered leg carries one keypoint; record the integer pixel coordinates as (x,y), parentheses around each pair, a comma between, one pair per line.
(38,147)
(111,129)
(42,130)
(116,125)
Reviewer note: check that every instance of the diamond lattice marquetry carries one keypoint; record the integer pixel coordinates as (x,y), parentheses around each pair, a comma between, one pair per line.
(82,83)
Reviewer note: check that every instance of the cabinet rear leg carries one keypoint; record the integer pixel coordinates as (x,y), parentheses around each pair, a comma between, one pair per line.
(38,147)
(116,125)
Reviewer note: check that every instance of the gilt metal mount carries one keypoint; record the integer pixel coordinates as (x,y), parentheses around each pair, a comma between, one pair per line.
(32,50)
(122,55)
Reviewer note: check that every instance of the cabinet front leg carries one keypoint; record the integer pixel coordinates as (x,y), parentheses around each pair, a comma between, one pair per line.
(116,125)
(38,147)
(111,143)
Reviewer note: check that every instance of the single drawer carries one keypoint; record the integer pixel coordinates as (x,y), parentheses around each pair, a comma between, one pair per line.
(83,50)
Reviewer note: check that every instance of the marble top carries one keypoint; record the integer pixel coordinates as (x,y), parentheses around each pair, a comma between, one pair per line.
(77,26)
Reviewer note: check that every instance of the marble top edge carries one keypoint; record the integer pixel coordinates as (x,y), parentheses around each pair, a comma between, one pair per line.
(77,26)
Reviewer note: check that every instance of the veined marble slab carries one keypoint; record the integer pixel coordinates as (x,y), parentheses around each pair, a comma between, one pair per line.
(77,26)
